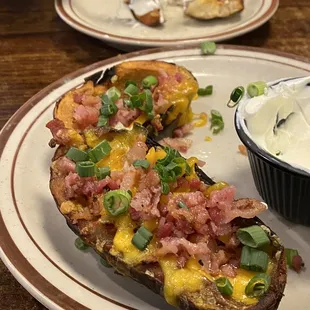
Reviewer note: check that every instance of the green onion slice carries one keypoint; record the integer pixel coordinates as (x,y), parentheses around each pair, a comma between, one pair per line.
(235,96)
(208,48)
(100,151)
(102,172)
(109,107)
(85,169)
(146,96)
(165,188)
(207,91)
(224,286)
(113,93)
(149,81)
(80,244)
(102,121)
(105,263)
(142,238)
(130,82)
(131,90)
(135,102)
(217,122)
(258,285)
(253,236)
(253,259)
(256,89)
(141,163)
(116,202)
(76,155)
(183,205)
(290,254)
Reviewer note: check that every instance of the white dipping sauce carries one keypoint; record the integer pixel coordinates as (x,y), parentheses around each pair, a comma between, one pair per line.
(279,121)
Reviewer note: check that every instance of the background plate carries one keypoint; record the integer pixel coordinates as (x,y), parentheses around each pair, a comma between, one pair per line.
(36,244)
(100,19)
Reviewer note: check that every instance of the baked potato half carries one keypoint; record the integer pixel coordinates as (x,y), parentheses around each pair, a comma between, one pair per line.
(156,94)
(155,217)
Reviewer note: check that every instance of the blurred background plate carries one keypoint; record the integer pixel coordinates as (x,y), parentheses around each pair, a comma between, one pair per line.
(36,244)
(101,19)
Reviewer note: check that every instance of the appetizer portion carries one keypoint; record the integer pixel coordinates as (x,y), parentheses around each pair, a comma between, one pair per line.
(148,12)
(153,216)
(210,9)
(153,93)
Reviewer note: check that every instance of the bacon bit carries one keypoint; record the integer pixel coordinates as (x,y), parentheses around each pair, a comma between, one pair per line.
(164,229)
(138,151)
(117,176)
(65,165)
(174,245)
(149,180)
(183,131)
(124,115)
(228,271)
(129,179)
(82,215)
(180,144)
(77,98)
(194,184)
(218,259)
(146,202)
(178,77)
(297,263)
(243,150)
(86,116)
(59,132)
(76,185)
(94,101)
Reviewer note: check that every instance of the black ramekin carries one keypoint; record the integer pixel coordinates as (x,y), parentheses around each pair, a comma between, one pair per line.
(284,187)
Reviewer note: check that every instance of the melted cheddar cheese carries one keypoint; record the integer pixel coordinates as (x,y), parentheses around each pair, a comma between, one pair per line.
(122,242)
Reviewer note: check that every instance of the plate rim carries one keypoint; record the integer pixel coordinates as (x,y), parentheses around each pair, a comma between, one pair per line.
(117,39)
(10,254)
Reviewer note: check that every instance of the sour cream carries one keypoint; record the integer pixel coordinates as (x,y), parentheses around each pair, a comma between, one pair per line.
(279,120)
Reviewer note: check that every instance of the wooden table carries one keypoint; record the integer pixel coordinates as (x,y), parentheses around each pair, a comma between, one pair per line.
(37,48)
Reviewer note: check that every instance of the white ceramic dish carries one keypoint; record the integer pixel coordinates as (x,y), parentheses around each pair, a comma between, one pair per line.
(99,19)
(36,244)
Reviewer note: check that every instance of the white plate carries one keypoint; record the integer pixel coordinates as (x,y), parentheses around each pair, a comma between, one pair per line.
(36,244)
(100,19)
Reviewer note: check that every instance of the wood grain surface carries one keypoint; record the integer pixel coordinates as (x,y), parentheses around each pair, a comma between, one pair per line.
(37,48)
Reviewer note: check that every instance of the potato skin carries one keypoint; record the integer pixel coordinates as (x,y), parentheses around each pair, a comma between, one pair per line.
(100,237)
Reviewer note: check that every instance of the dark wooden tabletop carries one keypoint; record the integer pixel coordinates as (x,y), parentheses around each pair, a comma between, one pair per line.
(37,48)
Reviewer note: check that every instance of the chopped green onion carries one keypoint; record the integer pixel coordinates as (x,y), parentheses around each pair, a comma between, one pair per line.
(253,236)
(76,155)
(116,202)
(146,96)
(102,172)
(165,188)
(224,286)
(208,48)
(102,121)
(109,107)
(131,90)
(149,81)
(141,163)
(170,155)
(183,205)
(142,238)
(290,254)
(258,285)
(207,91)
(135,102)
(113,93)
(130,82)
(99,151)
(235,97)
(85,169)
(253,259)
(105,263)
(217,122)
(256,89)
(80,244)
